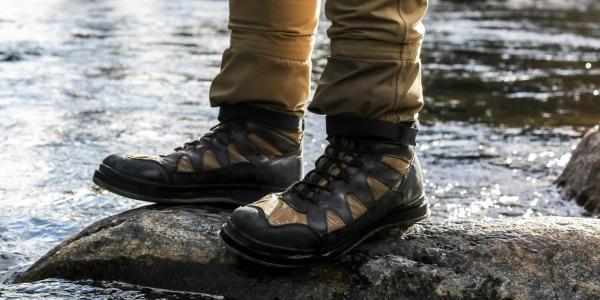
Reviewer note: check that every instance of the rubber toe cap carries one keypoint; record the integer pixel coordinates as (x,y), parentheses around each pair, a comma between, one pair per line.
(252,224)
(138,167)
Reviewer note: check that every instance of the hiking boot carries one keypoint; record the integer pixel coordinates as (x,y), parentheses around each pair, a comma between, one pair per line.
(252,152)
(358,187)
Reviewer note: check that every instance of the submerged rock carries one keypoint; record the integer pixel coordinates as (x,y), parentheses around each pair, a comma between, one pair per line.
(178,248)
(9,265)
(581,176)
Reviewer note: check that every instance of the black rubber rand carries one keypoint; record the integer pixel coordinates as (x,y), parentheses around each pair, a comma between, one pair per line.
(236,194)
(262,254)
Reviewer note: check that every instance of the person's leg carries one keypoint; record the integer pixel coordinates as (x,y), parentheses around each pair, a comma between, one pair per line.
(369,177)
(374,71)
(261,92)
(268,61)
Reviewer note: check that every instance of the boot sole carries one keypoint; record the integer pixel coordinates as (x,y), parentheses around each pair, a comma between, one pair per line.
(228,194)
(242,245)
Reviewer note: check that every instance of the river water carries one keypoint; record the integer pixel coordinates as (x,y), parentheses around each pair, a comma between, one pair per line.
(510,87)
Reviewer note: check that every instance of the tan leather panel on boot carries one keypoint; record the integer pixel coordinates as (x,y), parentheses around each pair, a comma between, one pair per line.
(209,161)
(279,212)
(398,164)
(285,214)
(267,203)
(377,187)
(185,165)
(357,208)
(293,136)
(234,154)
(333,221)
(265,147)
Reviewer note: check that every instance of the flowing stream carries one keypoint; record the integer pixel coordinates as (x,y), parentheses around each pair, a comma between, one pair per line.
(510,87)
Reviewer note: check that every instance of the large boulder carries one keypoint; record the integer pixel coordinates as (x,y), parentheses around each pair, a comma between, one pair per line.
(581,176)
(178,248)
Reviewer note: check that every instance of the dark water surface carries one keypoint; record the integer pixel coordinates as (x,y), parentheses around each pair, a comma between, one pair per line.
(510,86)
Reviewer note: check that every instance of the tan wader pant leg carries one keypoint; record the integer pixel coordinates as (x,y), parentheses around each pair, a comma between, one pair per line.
(268,61)
(374,70)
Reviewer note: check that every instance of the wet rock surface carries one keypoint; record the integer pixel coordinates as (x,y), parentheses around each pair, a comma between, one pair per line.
(581,177)
(178,248)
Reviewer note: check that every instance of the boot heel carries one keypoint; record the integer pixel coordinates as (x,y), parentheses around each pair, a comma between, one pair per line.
(409,216)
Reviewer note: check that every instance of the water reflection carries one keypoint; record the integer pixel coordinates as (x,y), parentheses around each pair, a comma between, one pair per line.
(521,62)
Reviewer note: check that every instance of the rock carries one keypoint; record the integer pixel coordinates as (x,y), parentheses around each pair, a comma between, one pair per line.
(581,176)
(9,264)
(178,248)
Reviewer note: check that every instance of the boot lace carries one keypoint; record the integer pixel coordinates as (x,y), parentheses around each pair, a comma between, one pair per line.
(219,132)
(329,167)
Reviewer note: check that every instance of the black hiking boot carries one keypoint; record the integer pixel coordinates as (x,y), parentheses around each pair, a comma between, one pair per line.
(251,153)
(357,188)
